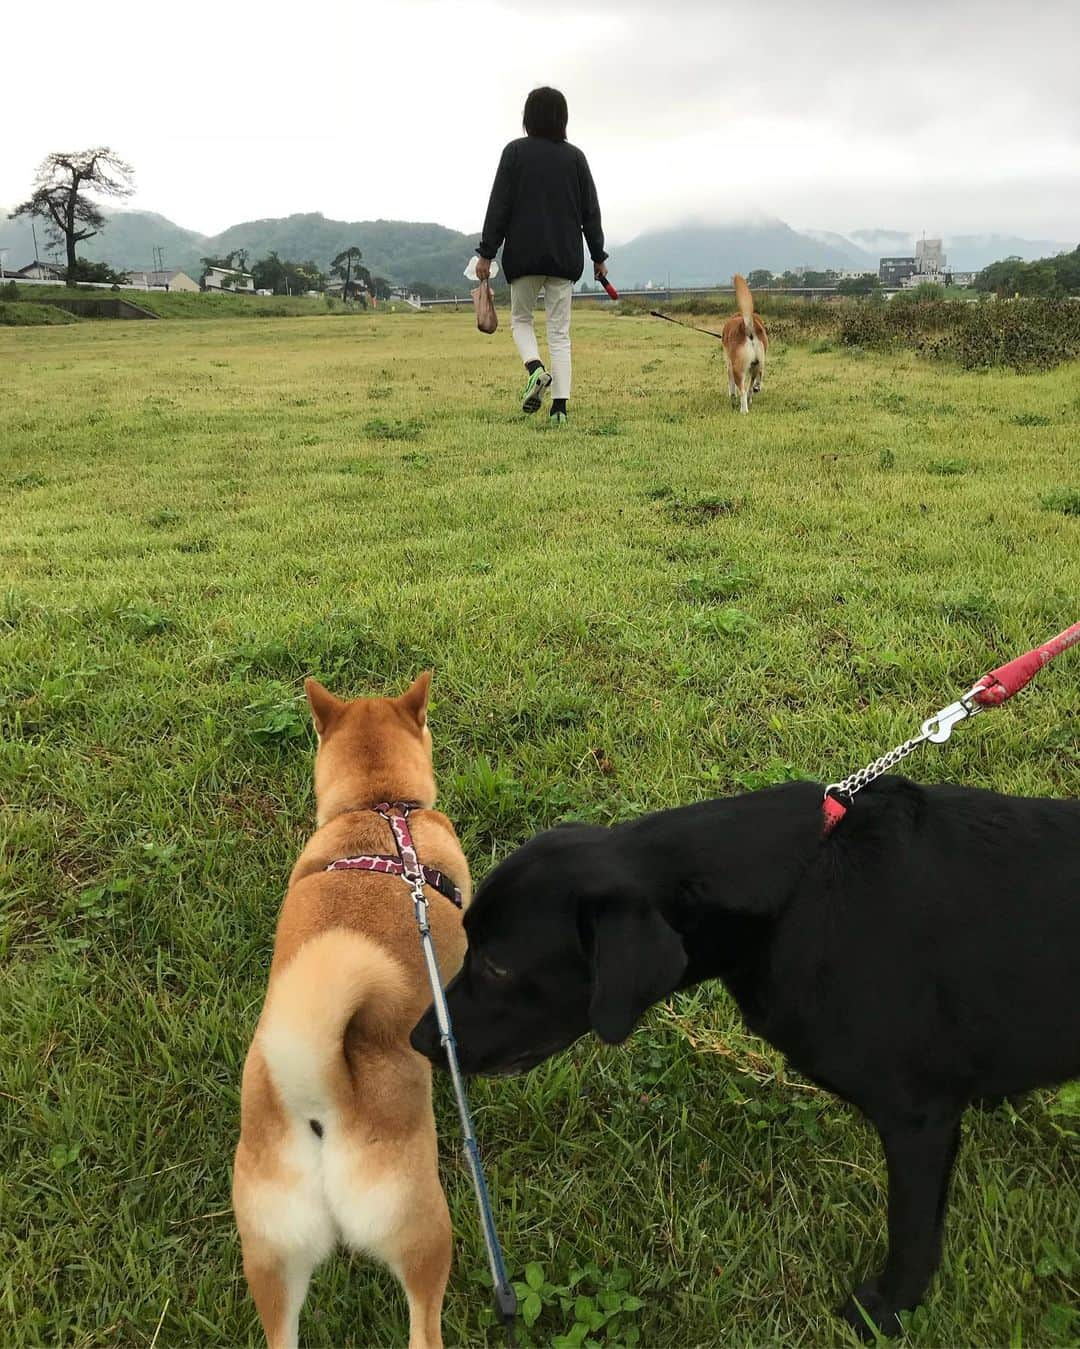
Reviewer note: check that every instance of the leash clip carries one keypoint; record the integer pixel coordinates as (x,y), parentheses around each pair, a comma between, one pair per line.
(939,727)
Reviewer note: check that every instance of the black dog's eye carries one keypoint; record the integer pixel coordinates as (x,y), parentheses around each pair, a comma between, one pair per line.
(493,971)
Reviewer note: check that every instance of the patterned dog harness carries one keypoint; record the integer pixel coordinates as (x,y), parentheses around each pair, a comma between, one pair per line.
(396,815)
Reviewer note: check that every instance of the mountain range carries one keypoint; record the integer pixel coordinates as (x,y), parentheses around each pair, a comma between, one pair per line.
(407,251)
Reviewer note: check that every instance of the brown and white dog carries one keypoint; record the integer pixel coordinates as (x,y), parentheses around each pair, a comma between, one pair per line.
(745,345)
(337,1134)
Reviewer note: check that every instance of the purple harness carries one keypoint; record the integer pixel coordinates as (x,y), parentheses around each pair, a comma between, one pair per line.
(406,864)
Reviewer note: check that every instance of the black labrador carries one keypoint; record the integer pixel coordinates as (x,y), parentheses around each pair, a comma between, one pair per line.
(923,956)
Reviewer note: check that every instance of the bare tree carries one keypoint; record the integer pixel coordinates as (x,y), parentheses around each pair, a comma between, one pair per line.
(59,198)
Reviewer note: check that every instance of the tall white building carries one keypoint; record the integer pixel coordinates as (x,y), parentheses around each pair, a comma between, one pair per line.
(930,256)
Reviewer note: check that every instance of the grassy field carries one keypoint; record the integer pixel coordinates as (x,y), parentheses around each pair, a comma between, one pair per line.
(665,601)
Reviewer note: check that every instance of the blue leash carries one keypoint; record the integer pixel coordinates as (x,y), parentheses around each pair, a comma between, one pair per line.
(505,1297)
(396,816)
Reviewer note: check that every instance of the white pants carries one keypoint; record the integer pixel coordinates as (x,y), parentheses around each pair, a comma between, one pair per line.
(524,293)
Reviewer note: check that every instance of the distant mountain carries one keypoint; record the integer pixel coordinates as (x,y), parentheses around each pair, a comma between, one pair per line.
(400,250)
(397,249)
(702,255)
(856,255)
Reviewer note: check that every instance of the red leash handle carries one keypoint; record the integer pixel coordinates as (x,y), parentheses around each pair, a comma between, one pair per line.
(999,685)
(608,287)
(992,690)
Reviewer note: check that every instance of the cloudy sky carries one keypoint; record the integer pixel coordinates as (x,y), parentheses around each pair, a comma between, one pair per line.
(952,117)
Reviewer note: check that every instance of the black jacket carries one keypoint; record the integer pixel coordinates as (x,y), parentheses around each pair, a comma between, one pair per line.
(542,200)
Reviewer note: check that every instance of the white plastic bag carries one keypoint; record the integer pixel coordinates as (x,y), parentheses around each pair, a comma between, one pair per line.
(470,271)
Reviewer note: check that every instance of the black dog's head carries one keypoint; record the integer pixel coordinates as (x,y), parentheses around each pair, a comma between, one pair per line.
(562,940)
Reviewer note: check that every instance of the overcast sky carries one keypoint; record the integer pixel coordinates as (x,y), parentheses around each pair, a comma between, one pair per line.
(953,117)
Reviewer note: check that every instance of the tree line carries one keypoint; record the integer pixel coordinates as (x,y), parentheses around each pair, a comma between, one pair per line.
(281,276)
(1048,278)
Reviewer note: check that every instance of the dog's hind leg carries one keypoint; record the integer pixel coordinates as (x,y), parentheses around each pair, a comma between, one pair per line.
(423,1266)
(920,1158)
(732,387)
(278,1285)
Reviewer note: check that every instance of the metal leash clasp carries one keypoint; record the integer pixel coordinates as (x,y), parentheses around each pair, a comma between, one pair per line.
(938,728)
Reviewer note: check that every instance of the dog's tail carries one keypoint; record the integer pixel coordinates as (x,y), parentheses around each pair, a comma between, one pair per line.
(338,982)
(745,301)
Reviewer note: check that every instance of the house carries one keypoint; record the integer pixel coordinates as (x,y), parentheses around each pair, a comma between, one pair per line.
(893,272)
(157,280)
(229,278)
(961,278)
(40,271)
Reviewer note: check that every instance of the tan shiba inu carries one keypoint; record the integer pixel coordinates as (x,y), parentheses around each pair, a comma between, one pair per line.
(337,1134)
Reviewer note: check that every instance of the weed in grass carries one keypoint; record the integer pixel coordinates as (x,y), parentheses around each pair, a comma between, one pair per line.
(381,429)
(721,622)
(163,518)
(146,621)
(887,459)
(1065,500)
(30,479)
(700,510)
(277,720)
(721,585)
(820,346)
(594,1305)
(947,468)
(202,543)
(1031,419)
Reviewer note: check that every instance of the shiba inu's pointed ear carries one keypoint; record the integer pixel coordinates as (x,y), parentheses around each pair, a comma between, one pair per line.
(325,708)
(414,699)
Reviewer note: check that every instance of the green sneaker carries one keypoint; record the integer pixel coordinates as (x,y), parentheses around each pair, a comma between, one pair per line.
(558,419)
(537,386)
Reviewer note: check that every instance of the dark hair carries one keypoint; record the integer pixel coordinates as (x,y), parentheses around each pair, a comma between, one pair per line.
(545,114)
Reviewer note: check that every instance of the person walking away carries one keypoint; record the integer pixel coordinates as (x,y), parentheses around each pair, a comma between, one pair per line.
(542,201)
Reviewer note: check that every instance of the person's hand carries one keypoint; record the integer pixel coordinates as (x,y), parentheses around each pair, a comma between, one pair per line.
(483,269)
(599,270)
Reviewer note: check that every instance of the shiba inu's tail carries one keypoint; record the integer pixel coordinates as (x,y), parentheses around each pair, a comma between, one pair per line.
(745,301)
(336,978)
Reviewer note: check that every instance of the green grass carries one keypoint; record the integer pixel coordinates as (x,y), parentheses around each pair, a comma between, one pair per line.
(14,314)
(180,304)
(663,602)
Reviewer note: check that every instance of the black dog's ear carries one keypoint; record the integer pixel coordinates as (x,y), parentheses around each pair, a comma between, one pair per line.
(637,959)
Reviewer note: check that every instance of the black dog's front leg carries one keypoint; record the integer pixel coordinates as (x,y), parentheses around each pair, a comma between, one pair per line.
(920,1159)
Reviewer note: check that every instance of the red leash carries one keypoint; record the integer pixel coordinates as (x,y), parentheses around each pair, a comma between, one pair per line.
(992,690)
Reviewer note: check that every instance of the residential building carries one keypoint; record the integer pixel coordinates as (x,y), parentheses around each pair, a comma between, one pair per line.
(41,271)
(155,280)
(229,278)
